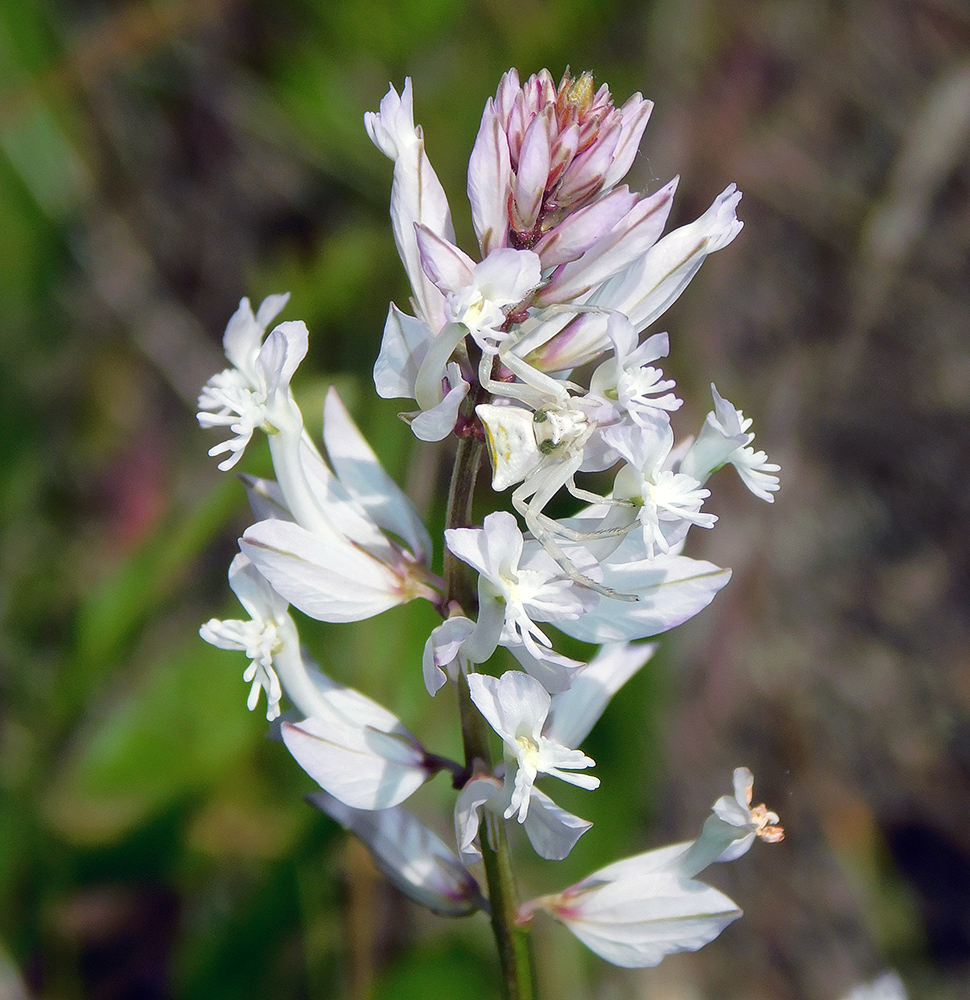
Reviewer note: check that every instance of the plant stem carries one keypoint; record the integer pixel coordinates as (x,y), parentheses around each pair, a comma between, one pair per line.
(513,943)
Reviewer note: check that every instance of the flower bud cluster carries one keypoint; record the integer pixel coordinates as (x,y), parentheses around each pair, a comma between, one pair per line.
(573,269)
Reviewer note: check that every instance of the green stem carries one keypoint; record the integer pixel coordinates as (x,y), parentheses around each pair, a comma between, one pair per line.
(513,943)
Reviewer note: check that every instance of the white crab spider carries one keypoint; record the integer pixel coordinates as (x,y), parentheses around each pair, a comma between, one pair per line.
(542,452)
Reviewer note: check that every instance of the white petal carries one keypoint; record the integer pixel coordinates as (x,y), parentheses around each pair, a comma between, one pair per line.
(270,308)
(655,282)
(506,276)
(552,670)
(447,265)
(325,579)
(492,549)
(514,704)
(416,194)
(244,332)
(281,354)
(644,290)
(363,476)
(438,422)
(345,705)
(635,115)
(636,923)
(472,799)
(718,440)
(552,831)
(661,859)
(412,856)
(363,767)
(343,513)
(670,589)
(471,546)
(404,347)
(484,639)
(441,650)
(254,592)
(265,498)
(575,711)
(489,173)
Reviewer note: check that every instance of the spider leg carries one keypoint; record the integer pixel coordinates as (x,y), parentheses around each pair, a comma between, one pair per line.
(581,494)
(544,493)
(574,535)
(532,376)
(577,308)
(551,480)
(532,396)
(534,388)
(566,564)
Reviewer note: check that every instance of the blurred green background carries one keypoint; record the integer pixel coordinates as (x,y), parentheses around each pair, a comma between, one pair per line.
(160,160)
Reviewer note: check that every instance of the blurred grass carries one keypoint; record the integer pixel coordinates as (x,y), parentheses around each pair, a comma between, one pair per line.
(157,162)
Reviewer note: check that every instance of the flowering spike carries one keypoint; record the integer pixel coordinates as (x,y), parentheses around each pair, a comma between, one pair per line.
(573,267)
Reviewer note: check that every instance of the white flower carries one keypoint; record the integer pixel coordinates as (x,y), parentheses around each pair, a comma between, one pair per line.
(412,856)
(255,393)
(479,296)
(278,664)
(335,561)
(724,440)
(628,378)
(667,503)
(721,839)
(263,638)
(516,705)
(244,334)
(323,545)
(637,911)
(636,922)
(552,831)
(669,590)
(517,586)
(748,822)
